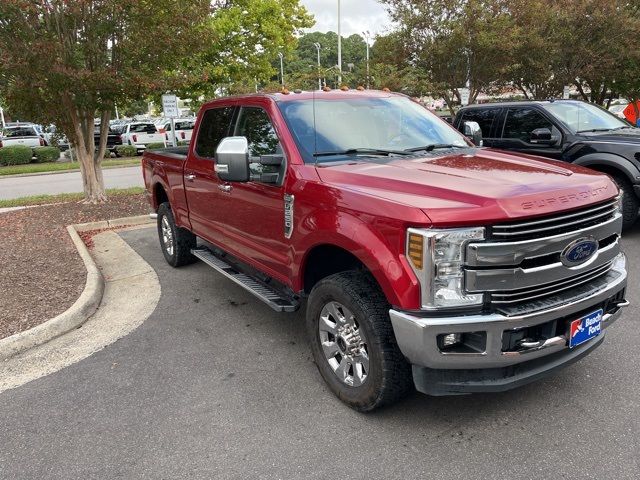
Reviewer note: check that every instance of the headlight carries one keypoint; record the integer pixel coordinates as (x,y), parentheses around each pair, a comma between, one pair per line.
(620,204)
(437,258)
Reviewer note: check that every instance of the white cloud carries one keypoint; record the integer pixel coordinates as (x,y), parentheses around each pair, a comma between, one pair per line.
(357,16)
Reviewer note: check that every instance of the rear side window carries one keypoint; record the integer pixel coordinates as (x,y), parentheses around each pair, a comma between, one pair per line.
(521,122)
(184,126)
(213,128)
(484,118)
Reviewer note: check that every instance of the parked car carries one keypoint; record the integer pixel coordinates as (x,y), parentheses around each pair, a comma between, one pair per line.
(421,259)
(573,131)
(140,134)
(25,134)
(56,138)
(114,139)
(184,129)
(618,110)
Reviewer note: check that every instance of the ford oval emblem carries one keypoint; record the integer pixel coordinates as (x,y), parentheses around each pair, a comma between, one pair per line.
(579,251)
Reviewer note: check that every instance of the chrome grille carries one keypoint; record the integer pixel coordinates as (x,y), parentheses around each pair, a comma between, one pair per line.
(509,297)
(557,224)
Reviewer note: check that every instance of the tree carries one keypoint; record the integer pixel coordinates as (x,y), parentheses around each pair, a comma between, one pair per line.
(245,38)
(455,41)
(70,61)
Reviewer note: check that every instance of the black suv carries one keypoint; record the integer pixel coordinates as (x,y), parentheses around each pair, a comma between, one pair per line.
(569,130)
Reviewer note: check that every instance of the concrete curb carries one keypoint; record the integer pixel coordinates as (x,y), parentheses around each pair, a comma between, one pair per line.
(84,307)
(59,172)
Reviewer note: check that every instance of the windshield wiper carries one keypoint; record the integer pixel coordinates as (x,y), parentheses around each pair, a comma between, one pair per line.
(433,146)
(363,151)
(595,130)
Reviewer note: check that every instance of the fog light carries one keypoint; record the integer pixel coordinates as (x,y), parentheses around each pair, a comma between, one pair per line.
(451,339)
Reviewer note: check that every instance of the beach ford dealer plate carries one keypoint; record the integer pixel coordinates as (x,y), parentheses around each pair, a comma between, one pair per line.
(585,328)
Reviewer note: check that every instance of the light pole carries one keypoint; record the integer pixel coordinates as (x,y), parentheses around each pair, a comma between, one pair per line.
(367,35)
(339,50)
(281,68)
(2,117)
(317,45)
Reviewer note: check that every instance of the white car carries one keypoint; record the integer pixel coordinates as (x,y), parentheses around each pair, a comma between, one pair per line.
(26,135)
(618,110)
(184,129)
(141,134)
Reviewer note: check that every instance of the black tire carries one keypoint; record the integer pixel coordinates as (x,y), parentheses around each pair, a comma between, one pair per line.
(183,240)
(630,202)
(389,377)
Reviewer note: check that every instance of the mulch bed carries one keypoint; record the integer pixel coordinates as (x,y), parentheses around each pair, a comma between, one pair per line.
(41,273)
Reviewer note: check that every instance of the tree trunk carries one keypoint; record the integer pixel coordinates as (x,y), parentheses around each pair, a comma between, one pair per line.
(91,177)
(83,142)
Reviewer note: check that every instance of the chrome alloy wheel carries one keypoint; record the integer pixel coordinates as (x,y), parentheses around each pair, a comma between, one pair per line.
(167,236)
(344,344)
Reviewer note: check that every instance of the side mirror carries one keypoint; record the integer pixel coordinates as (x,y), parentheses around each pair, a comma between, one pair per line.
(232,159)
(541,136)
(474,132)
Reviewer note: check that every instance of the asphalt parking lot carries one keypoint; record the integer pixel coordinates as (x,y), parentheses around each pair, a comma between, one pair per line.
(216,385)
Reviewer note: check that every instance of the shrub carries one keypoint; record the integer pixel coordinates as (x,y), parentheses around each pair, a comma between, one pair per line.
(183,143)
(155,146)
(126,150)
(15,155)
(46,154)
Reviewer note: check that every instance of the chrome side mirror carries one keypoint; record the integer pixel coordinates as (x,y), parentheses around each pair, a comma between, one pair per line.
(474,132)
(232,159)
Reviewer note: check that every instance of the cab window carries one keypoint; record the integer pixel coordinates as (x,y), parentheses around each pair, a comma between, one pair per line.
(213,128)
(520,122)
(254,124)
(484,117)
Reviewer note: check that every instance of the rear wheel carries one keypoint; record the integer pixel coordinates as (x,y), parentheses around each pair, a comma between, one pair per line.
(630,201)
(176,242)
(353,344)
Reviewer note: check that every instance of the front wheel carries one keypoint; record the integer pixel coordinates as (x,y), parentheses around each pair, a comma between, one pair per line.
(353,344)
(176,242)
(630,201)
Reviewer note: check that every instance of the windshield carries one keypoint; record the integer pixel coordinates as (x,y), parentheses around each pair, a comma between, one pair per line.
(584,117)
(362,126)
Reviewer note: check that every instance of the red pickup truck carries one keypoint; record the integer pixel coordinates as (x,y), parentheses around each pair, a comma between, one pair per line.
(422,259)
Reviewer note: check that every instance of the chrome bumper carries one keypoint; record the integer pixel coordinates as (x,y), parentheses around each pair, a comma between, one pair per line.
(417,335)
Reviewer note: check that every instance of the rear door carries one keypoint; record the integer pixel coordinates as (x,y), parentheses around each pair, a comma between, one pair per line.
(202,185)
(519,123)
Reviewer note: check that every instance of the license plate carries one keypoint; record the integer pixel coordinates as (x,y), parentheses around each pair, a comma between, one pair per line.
(585,328)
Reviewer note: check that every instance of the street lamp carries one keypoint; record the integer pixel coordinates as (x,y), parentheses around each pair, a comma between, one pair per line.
(367,36)
(339,50)
(318,46)
(281,68)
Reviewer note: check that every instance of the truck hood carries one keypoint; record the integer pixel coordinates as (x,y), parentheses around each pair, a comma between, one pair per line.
(628,135)
(473,186)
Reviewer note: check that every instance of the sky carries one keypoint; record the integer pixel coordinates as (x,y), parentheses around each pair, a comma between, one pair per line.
(357,16)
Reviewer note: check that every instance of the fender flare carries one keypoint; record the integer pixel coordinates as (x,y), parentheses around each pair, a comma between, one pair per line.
(354,236)
(612,161)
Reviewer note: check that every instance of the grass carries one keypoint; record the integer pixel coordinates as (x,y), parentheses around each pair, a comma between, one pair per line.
(63,197)
(61,167)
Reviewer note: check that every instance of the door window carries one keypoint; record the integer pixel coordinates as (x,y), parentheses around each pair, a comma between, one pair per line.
(521,122)
(254,124)
(213,128)
(484,117)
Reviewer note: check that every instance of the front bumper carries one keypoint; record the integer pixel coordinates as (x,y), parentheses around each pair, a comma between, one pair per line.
(417,335)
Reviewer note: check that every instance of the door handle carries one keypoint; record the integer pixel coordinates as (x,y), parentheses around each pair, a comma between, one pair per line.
(190,177)
(225,188)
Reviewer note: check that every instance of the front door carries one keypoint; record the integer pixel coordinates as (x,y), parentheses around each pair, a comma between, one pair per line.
(519,123)
(253,213)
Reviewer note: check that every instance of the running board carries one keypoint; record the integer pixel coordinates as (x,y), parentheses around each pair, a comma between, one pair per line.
(266,293)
